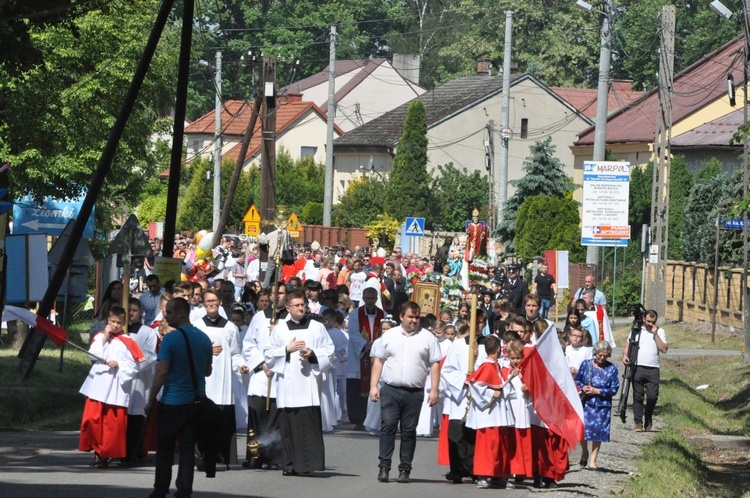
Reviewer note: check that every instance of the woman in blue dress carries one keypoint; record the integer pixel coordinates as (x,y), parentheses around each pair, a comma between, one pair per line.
(598,380)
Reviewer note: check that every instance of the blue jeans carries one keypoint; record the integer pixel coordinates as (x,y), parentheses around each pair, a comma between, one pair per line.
(399,405)
(544,307)
(173,425)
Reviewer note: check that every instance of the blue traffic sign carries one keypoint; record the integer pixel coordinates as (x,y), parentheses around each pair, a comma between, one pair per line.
(733,224)
(415,227)
(50,217)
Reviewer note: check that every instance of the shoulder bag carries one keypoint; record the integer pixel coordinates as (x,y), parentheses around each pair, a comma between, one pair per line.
(206,416)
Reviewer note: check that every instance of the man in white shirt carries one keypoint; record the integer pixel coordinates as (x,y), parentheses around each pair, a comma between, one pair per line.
(652,341)
(406,357)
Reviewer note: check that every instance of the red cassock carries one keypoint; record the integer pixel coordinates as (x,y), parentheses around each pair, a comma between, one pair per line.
(493,447)
(443,454)
(550,453)
(103,429)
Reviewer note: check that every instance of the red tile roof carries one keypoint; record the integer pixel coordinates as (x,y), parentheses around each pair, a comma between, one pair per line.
(235,116)
(584,99)
(696,86)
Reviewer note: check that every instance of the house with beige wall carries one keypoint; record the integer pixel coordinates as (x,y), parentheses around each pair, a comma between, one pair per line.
(702,117)
(459,113)
(301,129)
(365,89)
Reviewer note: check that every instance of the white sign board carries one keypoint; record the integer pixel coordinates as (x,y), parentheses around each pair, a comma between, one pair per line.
(606,189)
(563,278)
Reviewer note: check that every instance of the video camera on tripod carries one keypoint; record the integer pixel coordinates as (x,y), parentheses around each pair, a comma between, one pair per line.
(639,313)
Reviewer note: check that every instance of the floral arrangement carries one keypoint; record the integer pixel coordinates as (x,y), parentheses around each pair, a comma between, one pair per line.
(415,277)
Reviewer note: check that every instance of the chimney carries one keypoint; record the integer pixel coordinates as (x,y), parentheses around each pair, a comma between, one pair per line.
(293,97)
(408,65)
(484,66)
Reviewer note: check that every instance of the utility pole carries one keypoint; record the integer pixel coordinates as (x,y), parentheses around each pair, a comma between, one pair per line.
(602,101)
(217,146)
(331,115)
(268,149)
(743,281)
(501,172)
(257,96)
(491,165)
(657,274)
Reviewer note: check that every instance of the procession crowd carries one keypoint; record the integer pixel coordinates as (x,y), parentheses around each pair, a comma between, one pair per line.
(332,338)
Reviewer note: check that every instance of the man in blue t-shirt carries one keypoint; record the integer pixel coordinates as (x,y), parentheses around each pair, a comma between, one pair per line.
(174,414)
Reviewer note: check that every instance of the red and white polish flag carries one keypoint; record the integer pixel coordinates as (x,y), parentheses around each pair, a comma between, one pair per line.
(58,335)
(553,392)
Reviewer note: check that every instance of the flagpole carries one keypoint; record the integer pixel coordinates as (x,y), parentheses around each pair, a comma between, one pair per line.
(472,332)
(79,348)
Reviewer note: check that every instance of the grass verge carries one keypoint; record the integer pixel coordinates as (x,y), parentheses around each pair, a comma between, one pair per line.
(674,464)
(49,399)
(690,336)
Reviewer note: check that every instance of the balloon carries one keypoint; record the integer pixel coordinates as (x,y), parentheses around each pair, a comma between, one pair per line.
(204,245)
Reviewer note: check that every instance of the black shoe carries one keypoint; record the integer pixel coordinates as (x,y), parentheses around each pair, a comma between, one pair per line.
(518,480)
(289,473)
(383,475)
(403,476)
(537,482)
(272,466)
(359,427)
(455,478)
(550,484)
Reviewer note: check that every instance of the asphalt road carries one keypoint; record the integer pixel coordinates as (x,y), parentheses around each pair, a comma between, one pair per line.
(42,465)
(48,464)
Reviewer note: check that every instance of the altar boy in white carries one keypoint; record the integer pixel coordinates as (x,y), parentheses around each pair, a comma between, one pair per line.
(299,350)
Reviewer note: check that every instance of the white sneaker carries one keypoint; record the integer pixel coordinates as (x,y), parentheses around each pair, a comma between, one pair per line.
(482,483)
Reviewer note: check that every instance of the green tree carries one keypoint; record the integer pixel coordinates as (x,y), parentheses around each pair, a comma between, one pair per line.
(636,37)
(641,181)
(362,202)
(298,182)
(457,192)
(196,207)
(708,199)
(56,114)
(153,207)
(543,175)
(548,222)
(680,183)
(710,169)
(312,213)
(408,192)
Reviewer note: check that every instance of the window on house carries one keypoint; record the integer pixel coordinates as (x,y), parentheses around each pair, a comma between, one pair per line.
(306,152)
(524,128)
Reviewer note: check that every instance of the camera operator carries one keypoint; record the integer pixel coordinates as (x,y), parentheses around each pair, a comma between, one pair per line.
(651,343)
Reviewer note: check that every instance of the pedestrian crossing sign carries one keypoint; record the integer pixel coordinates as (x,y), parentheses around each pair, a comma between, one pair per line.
(415,227)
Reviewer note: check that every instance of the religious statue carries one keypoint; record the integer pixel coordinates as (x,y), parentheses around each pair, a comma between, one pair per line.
(477,236)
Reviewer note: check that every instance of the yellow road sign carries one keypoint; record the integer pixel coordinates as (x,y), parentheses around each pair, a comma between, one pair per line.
(293,225)
(252,228)
(252,216)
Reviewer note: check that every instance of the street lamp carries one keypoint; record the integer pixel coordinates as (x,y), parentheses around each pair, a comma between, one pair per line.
(217,141)
(719,8)
(602,94)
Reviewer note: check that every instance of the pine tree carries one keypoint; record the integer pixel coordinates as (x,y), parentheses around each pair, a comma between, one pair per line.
(544,174)
(408,192)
